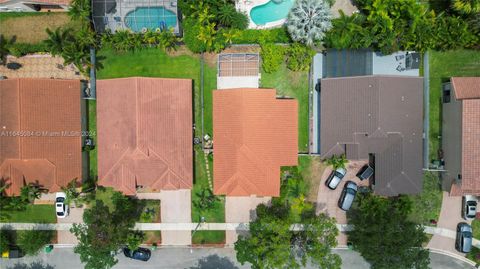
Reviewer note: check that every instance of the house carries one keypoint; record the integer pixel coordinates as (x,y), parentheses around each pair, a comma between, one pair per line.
(41,123)
(34,5)
(145,134)
(461,135)
(254,133)
(376,118)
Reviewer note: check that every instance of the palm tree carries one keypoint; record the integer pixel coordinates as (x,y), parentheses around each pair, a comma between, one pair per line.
(337,161)
(30,192)
(226,15)
(79,10)
(5,45)
(206,199)
(57,39)
(168,40)
(466,7)
(308,21)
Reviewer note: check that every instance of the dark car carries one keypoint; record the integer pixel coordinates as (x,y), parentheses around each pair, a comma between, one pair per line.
(141,254)
(348,195)
(463,240)
(365,173)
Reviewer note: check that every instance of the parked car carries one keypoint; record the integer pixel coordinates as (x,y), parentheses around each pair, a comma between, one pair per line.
(141,254)
(469,207)
(60,206)
(335,177)
(463,241)
(348,195)
(365,173)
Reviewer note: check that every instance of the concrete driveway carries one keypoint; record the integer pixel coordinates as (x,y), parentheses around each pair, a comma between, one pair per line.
(450,216)
(176,207)
(240,209)
(327,199)
(75,216)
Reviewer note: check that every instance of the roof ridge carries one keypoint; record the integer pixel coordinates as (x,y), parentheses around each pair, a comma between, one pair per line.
(117,162)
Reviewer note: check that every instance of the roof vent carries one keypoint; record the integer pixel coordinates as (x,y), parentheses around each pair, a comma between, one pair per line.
(403,98)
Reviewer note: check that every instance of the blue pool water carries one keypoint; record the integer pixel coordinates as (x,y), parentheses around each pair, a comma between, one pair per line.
(150,18)
(271,11)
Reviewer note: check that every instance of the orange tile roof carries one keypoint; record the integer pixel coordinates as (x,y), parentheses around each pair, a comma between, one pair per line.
(38,110)
(145,134)
(254,134)
(467,89)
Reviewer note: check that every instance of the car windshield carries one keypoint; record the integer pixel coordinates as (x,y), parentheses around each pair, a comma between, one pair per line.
(351,191)
(337,174)
(60,199)
(60,213)
(467,234)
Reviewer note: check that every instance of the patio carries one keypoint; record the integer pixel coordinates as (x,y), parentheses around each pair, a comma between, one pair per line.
(238,70)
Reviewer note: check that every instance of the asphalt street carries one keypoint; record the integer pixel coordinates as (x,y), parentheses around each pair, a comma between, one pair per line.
(198,258)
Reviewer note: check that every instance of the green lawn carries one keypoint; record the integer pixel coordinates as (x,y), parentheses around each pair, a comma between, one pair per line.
(151,211)
(92,128)
(295,85)
(426,206)
(476,228)
(444,65)
(209,237)
(155,63)
(33,214)
(474,255)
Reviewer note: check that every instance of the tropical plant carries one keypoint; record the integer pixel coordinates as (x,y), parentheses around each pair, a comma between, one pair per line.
(134,239)
(383,234)
(5,240)
(466,7)
(453,33)
(190,36)
(308,21)
(31,241)
(226,15)
(71,192)
(168,40)
(272,244)
(30,192)
(79,10)
(337,161)
(272,56)
(299,57)
(205,199)
(57,39)
(5,47)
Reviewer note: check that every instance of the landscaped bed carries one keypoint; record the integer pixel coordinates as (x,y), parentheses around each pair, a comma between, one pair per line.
(426,206)
(32,214)
(444,65)
(295,85)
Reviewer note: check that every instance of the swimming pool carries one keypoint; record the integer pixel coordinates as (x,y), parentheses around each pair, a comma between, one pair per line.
(150,18)
(271,11)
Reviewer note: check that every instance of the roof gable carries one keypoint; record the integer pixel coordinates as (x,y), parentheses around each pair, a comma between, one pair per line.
(254,134)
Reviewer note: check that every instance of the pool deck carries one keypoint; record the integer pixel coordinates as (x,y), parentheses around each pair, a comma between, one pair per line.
(126,6)
(246,6)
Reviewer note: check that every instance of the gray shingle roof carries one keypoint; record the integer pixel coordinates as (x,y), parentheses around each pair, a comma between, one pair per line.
(381,115)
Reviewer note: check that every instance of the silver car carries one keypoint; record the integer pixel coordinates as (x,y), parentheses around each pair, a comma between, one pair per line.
(335,177)
(469,207)
(463,241)
(348,195)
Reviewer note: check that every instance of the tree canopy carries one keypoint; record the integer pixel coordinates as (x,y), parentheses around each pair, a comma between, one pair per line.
(308,21)
(383,234)
(105,231)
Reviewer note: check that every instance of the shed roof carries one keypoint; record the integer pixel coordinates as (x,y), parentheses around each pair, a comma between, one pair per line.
(35,116)
(254,134)
(381,115)
(466,87)
(145,134)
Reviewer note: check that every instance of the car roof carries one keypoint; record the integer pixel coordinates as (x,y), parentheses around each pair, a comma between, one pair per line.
(347,200)
(351,185)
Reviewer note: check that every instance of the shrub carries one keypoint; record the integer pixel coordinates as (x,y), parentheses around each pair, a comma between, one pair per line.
(299,57)
(190,36)
(31,241)
(272,57)
(253,36)
(21,49)
(453,33)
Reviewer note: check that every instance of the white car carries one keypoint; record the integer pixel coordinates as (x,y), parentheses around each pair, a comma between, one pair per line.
(335,177)
(469,207)
(61,207)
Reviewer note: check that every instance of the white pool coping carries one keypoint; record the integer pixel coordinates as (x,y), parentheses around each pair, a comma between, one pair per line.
(247,5)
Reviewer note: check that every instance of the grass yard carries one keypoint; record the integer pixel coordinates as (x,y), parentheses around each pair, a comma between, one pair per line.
(474,255)
(476,228)
(311,168)
(426,206)
(152,237)
(444,65)
(92,128)
(29,27)
(155,63)
(33,214)
(151,212)
(295,85)
(208,237)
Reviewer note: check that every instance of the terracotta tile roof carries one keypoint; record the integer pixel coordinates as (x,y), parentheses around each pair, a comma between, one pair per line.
(471,146)
(466,87)
(254,134)
(380,115)
(145,134)
(45,107)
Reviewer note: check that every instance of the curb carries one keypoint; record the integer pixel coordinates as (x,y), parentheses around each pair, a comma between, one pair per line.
(453,255)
